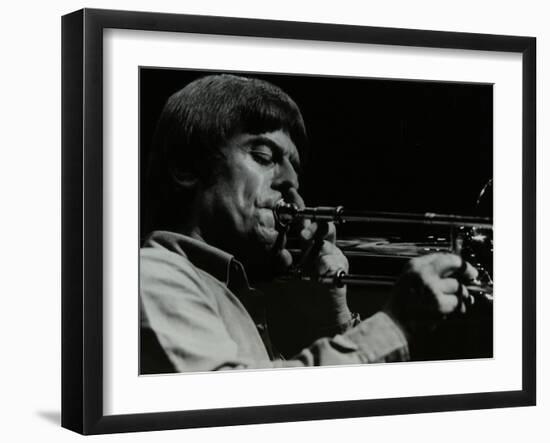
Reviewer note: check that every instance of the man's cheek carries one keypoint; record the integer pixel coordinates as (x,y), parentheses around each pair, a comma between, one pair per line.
(247,197)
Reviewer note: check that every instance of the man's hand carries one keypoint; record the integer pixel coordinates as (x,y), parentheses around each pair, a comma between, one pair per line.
(431,288)
(320,260)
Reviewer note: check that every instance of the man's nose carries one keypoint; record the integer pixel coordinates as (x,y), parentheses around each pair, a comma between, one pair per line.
(286,177)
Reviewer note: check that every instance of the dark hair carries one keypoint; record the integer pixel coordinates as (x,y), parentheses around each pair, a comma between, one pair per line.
(195,122)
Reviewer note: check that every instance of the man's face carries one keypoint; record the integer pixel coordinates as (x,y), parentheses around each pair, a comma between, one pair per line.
(236,212)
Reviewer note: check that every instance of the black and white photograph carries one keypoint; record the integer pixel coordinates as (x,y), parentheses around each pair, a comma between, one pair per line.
(277,221)
(289,221)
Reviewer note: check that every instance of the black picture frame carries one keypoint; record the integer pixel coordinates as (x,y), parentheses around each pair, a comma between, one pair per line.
(82,220)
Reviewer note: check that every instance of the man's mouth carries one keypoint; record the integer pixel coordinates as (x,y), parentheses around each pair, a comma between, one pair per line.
(267,217)
(266,227)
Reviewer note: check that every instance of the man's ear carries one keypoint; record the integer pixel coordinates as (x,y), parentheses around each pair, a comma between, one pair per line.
(185,179)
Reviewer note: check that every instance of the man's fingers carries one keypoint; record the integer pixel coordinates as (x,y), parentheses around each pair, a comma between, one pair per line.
(314,232)
(311,239)
(306,232)
(447,303)
(451,264)
(432,287)
(448,285)
(322,258)
(444,294)
(470,273)
(467,298)
(318,230)
(331,234)
(330,260)
(284,259)
(445,264)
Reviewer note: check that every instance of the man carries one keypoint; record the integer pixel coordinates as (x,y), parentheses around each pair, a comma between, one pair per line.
(226,150)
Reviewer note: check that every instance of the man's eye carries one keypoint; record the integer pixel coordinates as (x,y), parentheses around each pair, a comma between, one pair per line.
(263,157)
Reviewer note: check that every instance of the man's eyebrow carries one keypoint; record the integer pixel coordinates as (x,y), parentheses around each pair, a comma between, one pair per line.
(258,140)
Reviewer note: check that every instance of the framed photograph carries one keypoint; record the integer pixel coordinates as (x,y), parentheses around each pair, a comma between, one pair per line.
(269,221)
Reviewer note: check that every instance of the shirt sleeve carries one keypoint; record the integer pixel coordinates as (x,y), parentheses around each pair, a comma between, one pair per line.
(177,309)
(181,320)
(375,340)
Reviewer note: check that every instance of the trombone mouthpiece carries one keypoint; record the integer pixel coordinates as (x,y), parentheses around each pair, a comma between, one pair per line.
(286,213)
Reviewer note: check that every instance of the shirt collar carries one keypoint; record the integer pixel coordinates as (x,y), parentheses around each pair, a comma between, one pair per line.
(215,261)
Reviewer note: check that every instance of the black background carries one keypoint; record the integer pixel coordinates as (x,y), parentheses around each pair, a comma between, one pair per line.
(379,145)
(376,144)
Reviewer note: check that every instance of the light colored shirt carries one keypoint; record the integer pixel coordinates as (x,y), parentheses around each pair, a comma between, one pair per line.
(192,321)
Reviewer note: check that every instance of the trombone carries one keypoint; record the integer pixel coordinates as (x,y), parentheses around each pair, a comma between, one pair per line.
(287,213)
(471,237)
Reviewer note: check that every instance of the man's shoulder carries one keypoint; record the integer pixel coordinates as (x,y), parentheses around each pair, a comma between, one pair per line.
(169,277)
(163,257)
(157,258)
